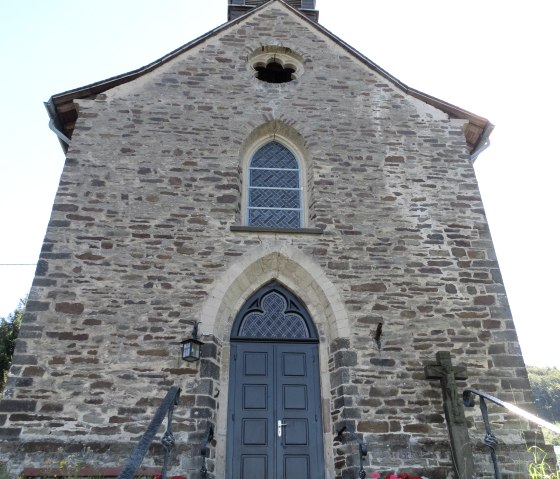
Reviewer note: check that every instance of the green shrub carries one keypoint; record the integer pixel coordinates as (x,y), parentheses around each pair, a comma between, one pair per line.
(539,469)
(545,383)
(4,471)
(551,437)
(9,330)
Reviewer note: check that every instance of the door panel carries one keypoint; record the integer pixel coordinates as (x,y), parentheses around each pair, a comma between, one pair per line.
(295,396)
(251,429)
(294,364)
(254,467)
(255,432)
(255,363)
(254,396)
(272,382)
(296,467)
(298,406)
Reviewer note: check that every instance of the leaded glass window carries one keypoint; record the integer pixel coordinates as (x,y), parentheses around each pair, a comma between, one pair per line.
(273,321)
(274,314)
(274,188)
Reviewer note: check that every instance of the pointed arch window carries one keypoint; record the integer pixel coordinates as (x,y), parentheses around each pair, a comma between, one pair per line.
(274,313)
(274,188)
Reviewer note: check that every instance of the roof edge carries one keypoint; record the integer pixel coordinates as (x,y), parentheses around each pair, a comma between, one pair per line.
(477,124)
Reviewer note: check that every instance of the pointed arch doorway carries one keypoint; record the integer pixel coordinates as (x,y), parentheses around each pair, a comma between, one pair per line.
(274,404)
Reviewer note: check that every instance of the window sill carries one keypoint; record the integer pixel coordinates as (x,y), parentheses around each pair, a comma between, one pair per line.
(261,229)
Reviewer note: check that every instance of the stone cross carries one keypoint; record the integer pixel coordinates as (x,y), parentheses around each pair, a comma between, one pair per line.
(461,447)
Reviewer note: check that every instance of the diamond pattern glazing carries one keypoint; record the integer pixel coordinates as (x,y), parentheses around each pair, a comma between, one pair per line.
(274,218)
(273,322)
(274,155)
(278,178)
(274,188)
(274,198)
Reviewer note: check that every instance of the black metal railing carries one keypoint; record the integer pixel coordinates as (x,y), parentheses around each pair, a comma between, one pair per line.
(168,441)
(362,448)
(490,439)
(205,450)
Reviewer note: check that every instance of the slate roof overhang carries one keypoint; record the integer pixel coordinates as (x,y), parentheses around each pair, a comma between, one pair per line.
(64,112)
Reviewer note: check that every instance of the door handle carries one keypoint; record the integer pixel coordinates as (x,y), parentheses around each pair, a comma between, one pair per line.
(280,426)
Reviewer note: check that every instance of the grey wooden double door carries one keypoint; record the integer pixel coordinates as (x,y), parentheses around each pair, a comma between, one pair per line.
(274,405)
(275,426)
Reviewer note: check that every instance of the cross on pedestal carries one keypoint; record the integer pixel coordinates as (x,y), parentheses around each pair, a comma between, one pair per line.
(461,447)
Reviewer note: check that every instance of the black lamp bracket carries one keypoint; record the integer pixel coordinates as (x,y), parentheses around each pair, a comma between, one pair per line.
(195,330)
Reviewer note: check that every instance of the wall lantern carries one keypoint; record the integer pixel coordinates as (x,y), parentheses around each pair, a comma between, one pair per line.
(190,348)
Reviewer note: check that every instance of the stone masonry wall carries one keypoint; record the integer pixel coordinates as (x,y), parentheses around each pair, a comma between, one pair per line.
(140,237)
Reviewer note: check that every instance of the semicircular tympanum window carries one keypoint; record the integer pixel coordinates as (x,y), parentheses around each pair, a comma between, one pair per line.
(274,313)
(274,196)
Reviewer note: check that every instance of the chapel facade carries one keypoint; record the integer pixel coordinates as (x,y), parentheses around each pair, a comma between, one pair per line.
(322,223)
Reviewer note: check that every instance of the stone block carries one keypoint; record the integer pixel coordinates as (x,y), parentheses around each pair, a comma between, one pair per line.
(16,405)
(69,308)
(10,433)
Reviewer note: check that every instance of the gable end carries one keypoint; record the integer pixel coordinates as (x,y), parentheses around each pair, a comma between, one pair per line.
(63,110)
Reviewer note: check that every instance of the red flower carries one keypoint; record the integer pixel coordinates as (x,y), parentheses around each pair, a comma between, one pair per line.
(392,475)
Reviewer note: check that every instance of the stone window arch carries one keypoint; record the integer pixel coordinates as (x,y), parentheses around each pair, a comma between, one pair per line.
(275,64)
(274,192)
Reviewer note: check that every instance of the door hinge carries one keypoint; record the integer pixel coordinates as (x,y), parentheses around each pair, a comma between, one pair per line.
(233,417)
(235,356)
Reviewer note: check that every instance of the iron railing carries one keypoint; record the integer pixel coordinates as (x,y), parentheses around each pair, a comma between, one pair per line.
(490,439)
(168,441)
(362,448)
(205,450)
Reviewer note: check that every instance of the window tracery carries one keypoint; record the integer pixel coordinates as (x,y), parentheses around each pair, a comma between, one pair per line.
(274,313)
(275,64)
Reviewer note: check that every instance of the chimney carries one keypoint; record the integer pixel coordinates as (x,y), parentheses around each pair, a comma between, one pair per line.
(236,8)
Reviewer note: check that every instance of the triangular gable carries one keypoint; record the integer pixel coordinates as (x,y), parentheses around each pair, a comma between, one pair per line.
(64,112)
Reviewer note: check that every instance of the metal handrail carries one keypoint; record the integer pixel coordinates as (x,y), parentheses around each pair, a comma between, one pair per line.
(490,439)
(205,450)
(362,445)
(168,441)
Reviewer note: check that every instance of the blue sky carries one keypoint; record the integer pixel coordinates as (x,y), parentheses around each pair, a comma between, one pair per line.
(495,59)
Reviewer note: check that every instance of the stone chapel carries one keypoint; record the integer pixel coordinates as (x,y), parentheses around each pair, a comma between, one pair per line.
(320,222)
